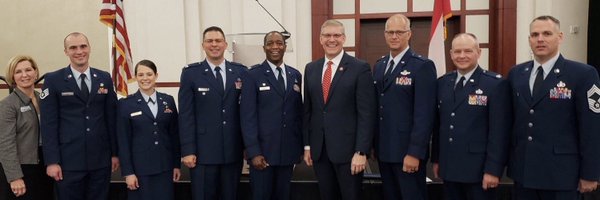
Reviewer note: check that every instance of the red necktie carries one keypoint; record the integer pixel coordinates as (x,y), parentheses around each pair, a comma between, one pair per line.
(327,81)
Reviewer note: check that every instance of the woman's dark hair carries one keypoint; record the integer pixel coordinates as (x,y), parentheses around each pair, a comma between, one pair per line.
(146,63)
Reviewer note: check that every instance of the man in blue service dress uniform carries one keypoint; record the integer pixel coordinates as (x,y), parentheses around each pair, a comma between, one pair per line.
(405,84)
(554,146)
(470,142)
(271,113)
(78,111)
(209,120)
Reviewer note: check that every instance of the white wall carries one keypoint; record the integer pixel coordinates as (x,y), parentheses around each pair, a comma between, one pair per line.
(170,32)
(570,13)
(164,31)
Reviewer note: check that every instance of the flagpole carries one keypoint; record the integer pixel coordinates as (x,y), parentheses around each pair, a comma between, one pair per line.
(115,72)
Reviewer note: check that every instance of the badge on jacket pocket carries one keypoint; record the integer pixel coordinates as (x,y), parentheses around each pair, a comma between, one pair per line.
(403,80)
(64,94)
(561,91)
(25,108)
(477,100)
(133,114)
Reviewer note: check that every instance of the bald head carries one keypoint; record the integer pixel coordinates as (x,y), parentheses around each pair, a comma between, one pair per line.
(75,35)
(466,37)
(398,19)
(465,52)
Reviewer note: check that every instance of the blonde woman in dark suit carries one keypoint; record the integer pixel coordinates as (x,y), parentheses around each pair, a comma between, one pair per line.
(20,156)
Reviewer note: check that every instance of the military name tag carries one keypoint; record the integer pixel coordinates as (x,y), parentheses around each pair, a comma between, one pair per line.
(264,88)
(133,114)
(560,91)
(203,89)
(67,93)
(403,80)
(477,100)
(25,108)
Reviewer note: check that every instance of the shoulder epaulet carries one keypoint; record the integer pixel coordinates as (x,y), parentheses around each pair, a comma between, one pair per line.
(253,67)
(126,97)
(492,74)
(163,94)
(238,64)
(420,57)
(191,65)
(448,74)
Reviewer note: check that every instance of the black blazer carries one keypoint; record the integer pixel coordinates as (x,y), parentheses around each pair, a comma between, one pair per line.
(345,124)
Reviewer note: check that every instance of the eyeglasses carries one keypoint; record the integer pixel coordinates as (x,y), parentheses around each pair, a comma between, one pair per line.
(398,33)
(335,36)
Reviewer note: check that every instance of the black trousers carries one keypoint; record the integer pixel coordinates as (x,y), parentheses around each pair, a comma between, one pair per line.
(37,184)
(336,181)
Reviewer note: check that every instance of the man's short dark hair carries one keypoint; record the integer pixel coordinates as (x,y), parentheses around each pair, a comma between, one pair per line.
(213,28)
(273,32)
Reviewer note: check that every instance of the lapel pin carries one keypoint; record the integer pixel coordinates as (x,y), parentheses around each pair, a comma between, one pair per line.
(527,69)
(139,100)
(70,76)
(478,91)
(268,71)
(402,62)
(341,69)
(229,69)
(205,70)
(471,80)
(556,71)
(94,75)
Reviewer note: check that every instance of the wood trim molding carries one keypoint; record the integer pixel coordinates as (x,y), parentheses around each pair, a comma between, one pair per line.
(321,11)
(503,32)
(502,15)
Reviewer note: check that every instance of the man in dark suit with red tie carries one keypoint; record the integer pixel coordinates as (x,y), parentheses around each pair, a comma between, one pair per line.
(339,116)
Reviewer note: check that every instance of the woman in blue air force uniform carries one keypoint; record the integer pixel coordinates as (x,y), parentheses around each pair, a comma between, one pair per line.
(148,138)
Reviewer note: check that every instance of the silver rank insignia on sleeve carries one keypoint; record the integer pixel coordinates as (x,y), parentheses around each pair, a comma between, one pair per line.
(44,93)
(593,95)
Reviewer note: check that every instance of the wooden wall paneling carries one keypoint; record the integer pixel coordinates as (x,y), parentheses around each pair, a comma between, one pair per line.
(321,11)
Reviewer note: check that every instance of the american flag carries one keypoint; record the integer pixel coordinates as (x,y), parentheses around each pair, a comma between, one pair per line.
(437,53)
(112,15)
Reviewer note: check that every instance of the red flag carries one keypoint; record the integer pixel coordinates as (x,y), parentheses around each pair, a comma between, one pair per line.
(441,12)
(112,15)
